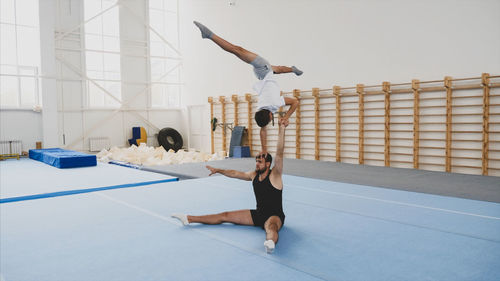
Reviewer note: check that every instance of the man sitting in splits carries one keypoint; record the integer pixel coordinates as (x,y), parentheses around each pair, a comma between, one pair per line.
(268,188)
(269,94)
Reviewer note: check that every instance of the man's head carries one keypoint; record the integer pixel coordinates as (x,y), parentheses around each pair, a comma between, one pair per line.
(263,162)
(263,117)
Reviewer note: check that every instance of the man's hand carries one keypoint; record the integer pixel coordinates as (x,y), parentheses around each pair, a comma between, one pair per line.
(248,176)
(212,170)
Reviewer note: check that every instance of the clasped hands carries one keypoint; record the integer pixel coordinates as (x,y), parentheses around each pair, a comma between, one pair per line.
(283,121)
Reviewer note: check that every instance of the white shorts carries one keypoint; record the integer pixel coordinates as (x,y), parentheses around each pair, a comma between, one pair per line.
(261,67)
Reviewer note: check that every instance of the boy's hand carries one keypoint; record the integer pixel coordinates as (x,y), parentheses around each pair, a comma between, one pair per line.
(262,154)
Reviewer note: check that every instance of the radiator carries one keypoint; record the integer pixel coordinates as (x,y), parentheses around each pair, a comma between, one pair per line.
(99,143)
(11,147)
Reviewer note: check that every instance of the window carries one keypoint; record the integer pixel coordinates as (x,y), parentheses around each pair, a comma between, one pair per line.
(19,53)
(164,53)
(102,53)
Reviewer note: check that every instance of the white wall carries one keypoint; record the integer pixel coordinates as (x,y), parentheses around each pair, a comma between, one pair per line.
(338,42)
(199,128)
(24,125)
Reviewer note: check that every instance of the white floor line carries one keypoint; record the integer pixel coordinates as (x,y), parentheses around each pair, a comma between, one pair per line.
(161,217)
(383,200)
(396,202)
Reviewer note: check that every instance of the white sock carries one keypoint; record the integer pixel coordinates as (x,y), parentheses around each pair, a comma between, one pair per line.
(182,217)
(269,244)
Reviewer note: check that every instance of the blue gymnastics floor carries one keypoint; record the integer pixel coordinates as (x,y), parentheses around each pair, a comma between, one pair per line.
(27,178)
(333,231)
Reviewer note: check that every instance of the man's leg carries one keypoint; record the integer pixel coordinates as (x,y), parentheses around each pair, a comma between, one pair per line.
(237,217)
(238,51)
(272,226)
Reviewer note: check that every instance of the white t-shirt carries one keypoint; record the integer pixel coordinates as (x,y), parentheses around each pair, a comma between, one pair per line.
(269,94)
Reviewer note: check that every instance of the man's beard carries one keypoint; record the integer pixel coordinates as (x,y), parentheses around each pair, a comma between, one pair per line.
(263,170)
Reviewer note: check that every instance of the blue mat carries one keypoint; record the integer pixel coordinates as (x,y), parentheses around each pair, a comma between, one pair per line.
(62,158)
(333,231)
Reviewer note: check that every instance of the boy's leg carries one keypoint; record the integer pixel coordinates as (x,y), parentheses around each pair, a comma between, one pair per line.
(278,69)
(238,51)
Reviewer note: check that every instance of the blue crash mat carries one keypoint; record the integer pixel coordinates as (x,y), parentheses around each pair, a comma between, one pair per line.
(62,158)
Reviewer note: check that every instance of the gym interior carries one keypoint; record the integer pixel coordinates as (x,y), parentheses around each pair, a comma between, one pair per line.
(111,111)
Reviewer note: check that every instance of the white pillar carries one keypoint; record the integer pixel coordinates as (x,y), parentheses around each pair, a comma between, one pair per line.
(48,68)
(132,27)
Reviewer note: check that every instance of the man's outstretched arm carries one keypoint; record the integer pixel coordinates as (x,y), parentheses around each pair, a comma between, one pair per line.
(248,176)
(278,162)
(263,139)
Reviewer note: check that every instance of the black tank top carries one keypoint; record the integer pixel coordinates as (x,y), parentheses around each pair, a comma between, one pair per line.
(269,198)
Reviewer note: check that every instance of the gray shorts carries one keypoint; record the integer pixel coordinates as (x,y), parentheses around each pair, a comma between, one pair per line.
(261,67)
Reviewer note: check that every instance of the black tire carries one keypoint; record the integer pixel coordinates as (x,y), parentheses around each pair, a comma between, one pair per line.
(170,139)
